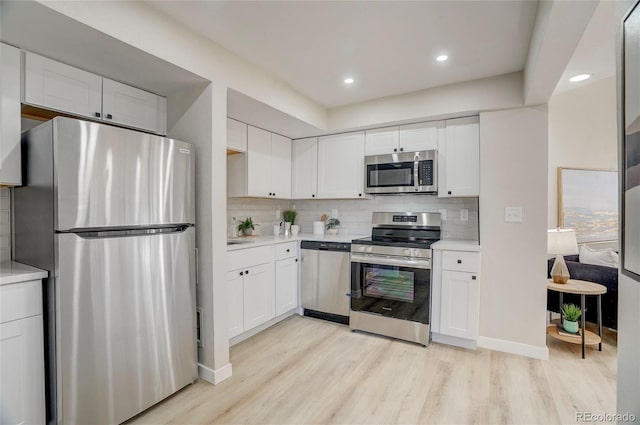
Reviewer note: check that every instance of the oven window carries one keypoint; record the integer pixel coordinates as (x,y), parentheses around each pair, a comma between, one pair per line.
(389,283)
(390,175)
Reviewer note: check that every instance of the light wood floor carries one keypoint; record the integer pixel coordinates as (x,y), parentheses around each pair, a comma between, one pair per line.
(307,371)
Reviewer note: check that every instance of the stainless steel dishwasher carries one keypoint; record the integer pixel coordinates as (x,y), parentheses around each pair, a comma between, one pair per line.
(325,280)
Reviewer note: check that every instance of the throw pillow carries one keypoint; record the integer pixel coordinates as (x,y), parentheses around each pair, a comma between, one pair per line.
(599,257)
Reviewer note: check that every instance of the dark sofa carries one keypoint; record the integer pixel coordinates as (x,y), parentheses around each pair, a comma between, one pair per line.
(607,276)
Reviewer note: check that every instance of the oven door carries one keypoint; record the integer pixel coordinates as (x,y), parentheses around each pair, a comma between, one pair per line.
(391,287)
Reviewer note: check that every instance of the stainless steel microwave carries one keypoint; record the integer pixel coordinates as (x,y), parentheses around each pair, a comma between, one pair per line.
(403,172)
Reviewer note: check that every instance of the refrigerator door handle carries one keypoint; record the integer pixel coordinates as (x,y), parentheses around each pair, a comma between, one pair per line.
(119,233)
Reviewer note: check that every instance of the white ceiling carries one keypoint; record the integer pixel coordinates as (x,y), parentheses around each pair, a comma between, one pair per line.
(595,54)
(389,47)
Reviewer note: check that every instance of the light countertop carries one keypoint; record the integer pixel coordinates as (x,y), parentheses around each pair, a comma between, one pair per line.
(457,245)
(12,272)
(255,241)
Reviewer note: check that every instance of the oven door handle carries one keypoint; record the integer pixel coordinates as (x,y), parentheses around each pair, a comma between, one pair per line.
(389,261)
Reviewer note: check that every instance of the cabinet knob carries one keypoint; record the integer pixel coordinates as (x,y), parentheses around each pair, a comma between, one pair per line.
(449,193)
(359,194)
(241,273)
(274,194)
(109,116)
(288,250)
(473,278)
(313,195)
(395,149)
(270,193)
(296,260)
(97,114)
(401,149)
(246,271)
(459,261)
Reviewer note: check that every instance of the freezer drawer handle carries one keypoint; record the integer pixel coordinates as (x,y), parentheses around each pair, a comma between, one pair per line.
(119,233)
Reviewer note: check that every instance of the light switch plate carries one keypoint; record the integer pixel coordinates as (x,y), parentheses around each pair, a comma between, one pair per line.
(443,214)
(513,214)
(278,213)
(464,214)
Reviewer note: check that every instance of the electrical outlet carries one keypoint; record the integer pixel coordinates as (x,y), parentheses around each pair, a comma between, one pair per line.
(278,213)
(464,214)
(443,214)
(513,214)
(334,213)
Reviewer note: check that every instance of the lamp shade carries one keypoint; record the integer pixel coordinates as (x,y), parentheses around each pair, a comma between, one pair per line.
(561,242)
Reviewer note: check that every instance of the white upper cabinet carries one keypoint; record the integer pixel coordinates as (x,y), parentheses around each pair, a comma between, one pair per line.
(132,107)
(419,137)
(304,168)
(54,85)
(10,170)
(265,170)
(236,135)
(280,166)
(459,158)
(381,141)
(341,166)
(406,138)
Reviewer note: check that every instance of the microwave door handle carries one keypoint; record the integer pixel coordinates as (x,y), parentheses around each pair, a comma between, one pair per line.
(416,167)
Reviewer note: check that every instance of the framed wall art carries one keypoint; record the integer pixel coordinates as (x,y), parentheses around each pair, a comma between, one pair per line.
(588,203)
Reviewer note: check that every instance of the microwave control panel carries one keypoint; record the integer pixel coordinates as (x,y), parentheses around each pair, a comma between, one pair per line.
(425,173)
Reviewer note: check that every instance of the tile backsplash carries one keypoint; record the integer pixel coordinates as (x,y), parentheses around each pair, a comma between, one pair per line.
(5,224)
(355,215)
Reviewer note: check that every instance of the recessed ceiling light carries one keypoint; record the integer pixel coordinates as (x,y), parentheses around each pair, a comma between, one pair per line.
(349,80)
(579,77)
(442,58)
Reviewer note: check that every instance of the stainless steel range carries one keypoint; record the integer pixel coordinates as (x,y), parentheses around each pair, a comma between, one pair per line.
(391,276)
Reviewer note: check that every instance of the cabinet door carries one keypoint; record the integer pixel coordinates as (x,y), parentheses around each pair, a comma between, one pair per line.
(10,171)
(462,158)
(22,376)
(419,137)
(460,304)
(341,166)
(280,166)
(129,106)
(381,141)
(259,295)
(236,135)
(54,85)
(286,285)
(304,168)
(235,303)
(258,162)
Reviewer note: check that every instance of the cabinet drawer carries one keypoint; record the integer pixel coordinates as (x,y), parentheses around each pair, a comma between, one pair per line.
(20,300)
(286,250)
(461,261)
(249,257)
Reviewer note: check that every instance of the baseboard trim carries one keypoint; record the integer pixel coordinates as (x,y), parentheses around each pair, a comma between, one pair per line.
(541,353)
(452,340)
(214,376)
(248,334)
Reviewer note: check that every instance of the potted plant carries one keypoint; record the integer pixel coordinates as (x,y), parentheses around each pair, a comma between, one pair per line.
(247,226)
(570,313)
(332,225)
(289,216)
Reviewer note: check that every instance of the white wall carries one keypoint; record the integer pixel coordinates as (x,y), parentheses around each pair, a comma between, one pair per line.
(513,173)
(583,133)
(5,224)
(467,98)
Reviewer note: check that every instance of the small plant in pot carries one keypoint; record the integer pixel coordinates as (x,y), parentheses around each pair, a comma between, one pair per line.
(332,225)
(247,226)
(570,313)
(289,216)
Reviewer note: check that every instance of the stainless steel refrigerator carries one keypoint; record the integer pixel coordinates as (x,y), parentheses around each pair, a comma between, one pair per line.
(110,213)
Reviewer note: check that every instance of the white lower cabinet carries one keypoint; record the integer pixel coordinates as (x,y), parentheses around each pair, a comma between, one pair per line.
(21,354)
(262,283)
(456,297)
(286,285)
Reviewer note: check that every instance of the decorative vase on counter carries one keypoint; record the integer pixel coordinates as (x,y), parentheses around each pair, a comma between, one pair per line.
(295,229)
(247,232)
(333,231)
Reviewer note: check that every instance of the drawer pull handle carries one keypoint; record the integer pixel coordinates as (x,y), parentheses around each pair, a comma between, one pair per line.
(473,278)
(459,261)
(109,116)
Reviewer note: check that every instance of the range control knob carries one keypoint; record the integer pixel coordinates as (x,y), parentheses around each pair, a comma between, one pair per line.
(407,251)
(369,248)
(361,248)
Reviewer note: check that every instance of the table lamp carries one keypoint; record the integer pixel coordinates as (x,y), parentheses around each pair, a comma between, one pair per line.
(561,242)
